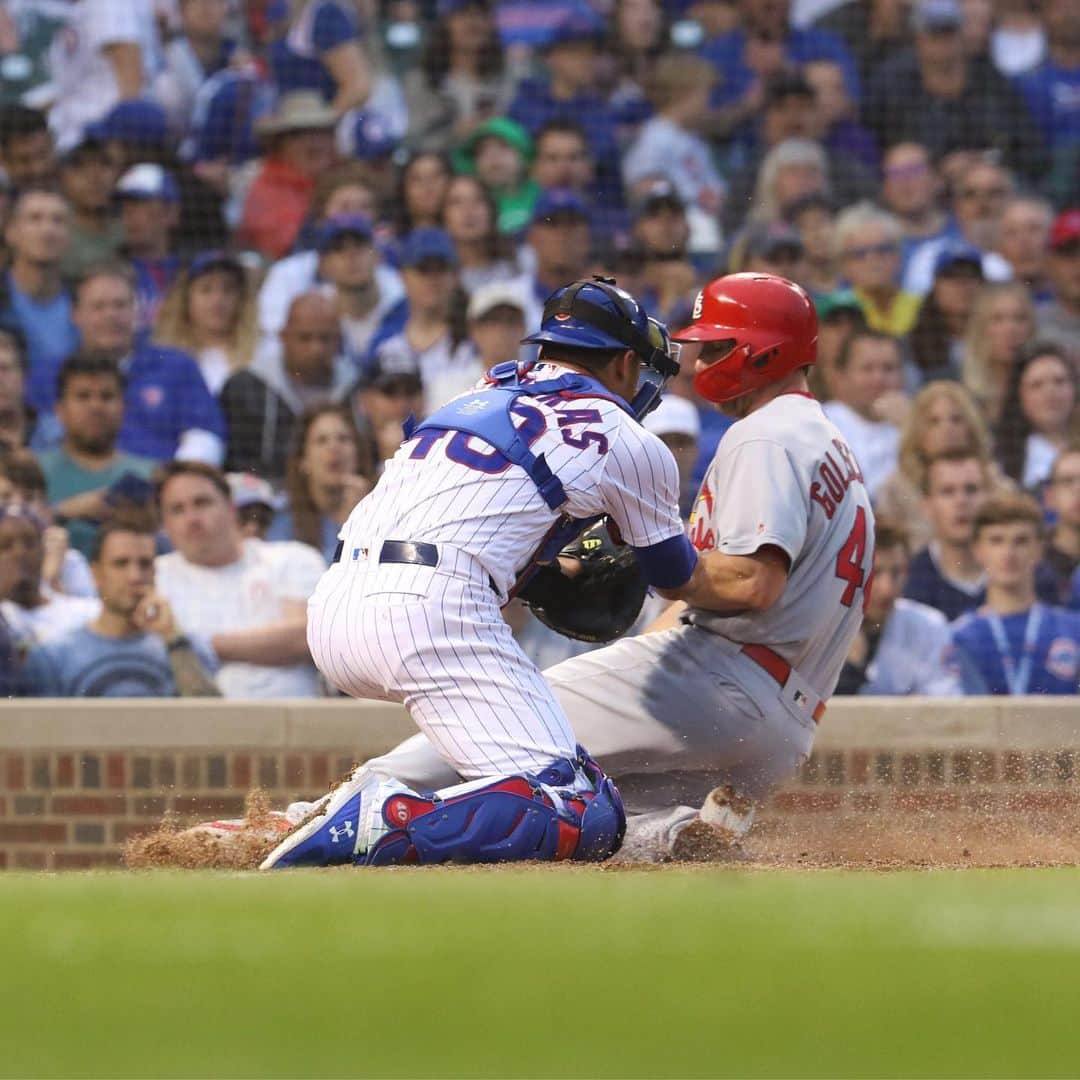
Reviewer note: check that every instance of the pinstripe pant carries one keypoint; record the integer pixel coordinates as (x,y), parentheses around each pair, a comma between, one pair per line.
(434,639)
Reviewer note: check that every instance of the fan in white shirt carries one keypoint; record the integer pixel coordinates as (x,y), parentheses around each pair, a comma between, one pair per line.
(249,597)
(352,268)
(869,402)
(108,52)
(1040,413)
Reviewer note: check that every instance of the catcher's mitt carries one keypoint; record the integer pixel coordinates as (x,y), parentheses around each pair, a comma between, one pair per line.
(598,603)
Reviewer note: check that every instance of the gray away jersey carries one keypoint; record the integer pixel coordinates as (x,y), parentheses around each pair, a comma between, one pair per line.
(784,476)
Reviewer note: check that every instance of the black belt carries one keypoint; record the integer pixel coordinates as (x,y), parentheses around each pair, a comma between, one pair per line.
(400,551)
(411,552)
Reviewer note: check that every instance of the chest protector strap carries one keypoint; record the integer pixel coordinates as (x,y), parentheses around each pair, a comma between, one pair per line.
(486,414)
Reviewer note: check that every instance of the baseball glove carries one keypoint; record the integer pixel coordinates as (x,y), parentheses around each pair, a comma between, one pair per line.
(601,601)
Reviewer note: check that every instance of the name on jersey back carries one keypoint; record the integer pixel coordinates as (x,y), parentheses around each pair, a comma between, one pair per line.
(836,473)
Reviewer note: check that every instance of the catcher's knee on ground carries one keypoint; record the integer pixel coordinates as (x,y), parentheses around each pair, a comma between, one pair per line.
(570,810)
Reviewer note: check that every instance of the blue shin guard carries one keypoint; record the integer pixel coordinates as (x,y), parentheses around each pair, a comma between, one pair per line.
(550,816)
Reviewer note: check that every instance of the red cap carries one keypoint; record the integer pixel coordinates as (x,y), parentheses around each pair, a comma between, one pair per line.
(1066,229)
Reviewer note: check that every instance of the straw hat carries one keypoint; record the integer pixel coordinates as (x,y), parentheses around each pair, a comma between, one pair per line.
(299,110)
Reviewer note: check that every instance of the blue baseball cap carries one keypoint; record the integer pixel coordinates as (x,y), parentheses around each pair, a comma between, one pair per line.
(206,261)
(427,244)
(147,181)
(367,137)
(143,123)
(957,253)
(936,16)
(558,202)
(334,228)
(451,7)
(575,28)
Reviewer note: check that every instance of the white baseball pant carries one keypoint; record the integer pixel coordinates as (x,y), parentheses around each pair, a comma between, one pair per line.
(433,639)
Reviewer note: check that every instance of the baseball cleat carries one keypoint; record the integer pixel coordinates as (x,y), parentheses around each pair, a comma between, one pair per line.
(716,834)
(259,822)
(332,833)
(275,824)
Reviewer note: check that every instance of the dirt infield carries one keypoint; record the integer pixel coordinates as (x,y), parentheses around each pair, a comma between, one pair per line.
(926,839)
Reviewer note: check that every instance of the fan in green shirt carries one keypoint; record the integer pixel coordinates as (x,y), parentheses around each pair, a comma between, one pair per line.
(80,471)
(499,152)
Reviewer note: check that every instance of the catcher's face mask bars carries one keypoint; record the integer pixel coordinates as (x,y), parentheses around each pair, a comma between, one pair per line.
(653,379)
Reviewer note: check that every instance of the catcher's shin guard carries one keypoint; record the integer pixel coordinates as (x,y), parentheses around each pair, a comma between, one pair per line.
(571,810)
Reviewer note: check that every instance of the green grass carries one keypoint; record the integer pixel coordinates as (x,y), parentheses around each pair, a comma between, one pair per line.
(541,972)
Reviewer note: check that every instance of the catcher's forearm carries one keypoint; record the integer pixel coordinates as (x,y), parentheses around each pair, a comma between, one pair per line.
(734,583)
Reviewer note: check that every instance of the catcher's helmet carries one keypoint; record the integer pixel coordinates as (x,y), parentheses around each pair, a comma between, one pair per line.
(598,315)
(769,324)
(592,315)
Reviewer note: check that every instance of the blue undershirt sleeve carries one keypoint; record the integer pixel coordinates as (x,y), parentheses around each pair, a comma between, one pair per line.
(669,564)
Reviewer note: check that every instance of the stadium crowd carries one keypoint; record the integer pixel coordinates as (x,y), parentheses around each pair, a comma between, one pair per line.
(242,240)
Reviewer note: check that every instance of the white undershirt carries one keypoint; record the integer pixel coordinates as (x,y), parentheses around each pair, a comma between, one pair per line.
(1039,455)
(215,367)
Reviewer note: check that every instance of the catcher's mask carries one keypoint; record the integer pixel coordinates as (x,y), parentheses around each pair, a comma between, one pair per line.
(763,327)
(598,315)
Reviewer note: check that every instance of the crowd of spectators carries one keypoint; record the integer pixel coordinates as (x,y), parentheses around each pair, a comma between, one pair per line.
(243,240)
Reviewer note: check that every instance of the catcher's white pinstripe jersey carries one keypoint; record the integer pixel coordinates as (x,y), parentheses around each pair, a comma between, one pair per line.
(433,637)
(451,491)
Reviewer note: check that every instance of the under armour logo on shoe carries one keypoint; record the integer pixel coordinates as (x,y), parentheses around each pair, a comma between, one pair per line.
(346,830)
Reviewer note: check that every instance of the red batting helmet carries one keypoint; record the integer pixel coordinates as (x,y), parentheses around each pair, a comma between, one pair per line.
(771,326)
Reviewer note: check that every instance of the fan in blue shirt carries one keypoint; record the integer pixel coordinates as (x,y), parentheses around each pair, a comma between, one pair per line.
(134,647)
(1053,96)
(568,93)
(36,303)
(168,409)
(768,22)
(946,575)
(1013,644)
(1052,90)
(318,52)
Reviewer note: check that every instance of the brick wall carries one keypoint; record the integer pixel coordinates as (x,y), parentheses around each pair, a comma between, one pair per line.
(76,809)
(79,778)
(962,780)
